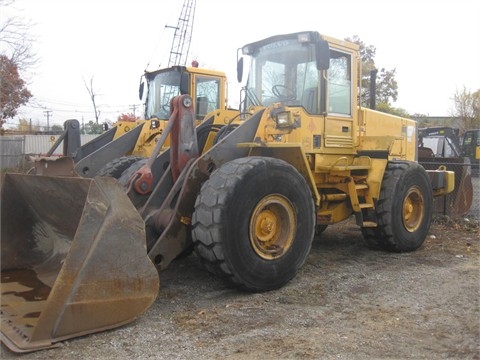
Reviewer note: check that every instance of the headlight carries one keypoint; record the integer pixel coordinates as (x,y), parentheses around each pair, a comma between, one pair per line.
(284,119)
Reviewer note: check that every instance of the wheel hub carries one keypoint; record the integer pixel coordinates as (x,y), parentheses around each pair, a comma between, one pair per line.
(272,227)
(413,209)
(267,226)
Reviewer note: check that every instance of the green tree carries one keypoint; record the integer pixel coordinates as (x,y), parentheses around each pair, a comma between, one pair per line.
(92,128)
(386,89)
(386,108)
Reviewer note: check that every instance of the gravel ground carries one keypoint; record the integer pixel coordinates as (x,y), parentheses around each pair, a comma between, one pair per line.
(347,302)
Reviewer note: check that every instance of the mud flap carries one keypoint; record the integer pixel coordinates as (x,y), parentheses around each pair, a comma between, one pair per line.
(73,260)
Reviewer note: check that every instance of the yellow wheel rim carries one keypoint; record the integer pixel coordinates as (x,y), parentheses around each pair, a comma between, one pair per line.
(272,227)
(413,209)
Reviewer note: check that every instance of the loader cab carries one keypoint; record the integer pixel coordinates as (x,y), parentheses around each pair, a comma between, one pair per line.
(309,71)
(470,147)
(206,86)
(440,141)
(292,69)
(286,69)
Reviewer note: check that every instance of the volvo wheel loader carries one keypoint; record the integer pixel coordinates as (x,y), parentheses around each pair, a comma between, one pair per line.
(81,255)
(127,141)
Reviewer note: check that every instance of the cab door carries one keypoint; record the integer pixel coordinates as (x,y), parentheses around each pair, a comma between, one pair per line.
(339,129)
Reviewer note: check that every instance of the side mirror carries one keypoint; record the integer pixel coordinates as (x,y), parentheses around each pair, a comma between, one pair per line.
(140,90)
(240,69)
(322,55)
(185,83)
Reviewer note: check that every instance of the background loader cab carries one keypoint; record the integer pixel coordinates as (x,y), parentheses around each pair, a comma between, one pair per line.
(206,87)
(471,146)
(439,141)
(127,141)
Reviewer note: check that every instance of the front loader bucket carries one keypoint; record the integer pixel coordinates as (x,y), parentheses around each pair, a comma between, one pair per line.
(73,259)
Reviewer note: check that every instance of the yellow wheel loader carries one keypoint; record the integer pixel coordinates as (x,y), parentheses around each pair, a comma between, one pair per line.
(128,141)
(80,255)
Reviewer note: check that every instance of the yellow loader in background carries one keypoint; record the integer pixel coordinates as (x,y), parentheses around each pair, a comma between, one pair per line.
(299,155)
(127,141)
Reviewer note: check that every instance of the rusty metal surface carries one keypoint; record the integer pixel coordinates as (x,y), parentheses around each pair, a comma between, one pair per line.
(54,166)
(74,260)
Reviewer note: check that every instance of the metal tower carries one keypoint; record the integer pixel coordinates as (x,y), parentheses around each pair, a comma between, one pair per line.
(183,35)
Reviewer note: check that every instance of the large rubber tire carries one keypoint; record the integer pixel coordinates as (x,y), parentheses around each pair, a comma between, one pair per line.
(404,209)
(116,167)
(254,223)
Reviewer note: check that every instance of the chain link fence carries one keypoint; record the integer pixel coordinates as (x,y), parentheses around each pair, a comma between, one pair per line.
(12,150)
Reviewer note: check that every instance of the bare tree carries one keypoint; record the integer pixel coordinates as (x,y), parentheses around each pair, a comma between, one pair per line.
(16,40)
(466,107)
(93,95)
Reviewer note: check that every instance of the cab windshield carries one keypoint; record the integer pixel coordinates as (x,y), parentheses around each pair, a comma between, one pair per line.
(161,88)
(284,71)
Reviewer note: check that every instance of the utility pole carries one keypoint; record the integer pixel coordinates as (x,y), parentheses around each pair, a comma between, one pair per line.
(133,108)
(48,113)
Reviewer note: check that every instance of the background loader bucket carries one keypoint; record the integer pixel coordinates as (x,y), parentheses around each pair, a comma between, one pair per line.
(459,201)
(74,259)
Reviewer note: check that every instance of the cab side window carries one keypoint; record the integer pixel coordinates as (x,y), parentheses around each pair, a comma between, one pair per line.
(208,95)
(340,84)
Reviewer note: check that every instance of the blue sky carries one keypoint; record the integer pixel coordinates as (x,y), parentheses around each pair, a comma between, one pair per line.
(434,46)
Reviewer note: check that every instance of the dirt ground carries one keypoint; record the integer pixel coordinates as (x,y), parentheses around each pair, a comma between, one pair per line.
(347,302)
